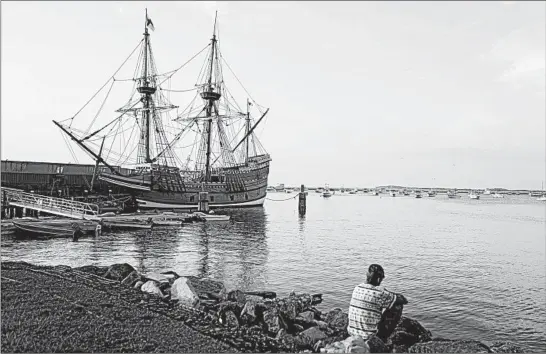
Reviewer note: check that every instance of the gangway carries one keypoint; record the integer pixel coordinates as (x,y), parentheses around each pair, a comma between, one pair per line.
(56,206)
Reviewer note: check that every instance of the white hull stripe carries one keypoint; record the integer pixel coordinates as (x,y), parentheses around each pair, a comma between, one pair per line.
(123,184)
(154,205)
(135,180)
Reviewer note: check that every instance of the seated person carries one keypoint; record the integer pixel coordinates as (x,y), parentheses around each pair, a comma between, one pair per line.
(373,309)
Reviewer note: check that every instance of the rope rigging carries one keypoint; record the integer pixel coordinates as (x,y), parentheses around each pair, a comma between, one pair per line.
(283,200)
(110,78)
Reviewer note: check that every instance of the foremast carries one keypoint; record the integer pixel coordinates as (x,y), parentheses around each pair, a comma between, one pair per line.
(211,94)
(146,91)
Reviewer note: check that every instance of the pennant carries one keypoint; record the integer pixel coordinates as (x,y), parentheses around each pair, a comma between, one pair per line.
(150,24)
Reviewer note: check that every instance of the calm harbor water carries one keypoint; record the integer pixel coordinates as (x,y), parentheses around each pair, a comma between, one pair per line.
(470,269)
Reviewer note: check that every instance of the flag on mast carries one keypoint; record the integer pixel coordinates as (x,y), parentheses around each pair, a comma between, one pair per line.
(149,23)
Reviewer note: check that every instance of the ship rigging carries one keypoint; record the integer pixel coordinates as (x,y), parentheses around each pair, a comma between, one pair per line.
(210,145)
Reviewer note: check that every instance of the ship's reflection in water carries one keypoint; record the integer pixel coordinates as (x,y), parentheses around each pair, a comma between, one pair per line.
(234,252)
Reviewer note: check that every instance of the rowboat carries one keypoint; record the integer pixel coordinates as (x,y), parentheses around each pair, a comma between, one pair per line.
(54,228)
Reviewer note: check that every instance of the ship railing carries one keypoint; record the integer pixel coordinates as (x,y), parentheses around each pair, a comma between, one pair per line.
(48,204)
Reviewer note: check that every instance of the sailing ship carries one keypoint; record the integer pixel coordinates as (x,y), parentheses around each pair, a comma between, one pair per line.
(225,158)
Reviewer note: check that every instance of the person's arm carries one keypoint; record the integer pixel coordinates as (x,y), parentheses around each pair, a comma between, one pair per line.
(391,299)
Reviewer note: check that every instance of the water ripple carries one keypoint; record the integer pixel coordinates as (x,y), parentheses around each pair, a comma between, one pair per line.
(471,270)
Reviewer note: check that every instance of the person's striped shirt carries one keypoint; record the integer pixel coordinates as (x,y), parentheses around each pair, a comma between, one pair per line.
(367,306)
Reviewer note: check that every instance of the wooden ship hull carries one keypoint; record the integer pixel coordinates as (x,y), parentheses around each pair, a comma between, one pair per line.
(236,187)
(174,159)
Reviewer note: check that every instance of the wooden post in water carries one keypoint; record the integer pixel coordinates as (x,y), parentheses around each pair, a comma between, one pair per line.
(301,201)
(4,204)
(203,202)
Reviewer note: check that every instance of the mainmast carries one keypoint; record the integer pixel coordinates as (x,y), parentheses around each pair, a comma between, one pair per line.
(146,91)
(247,129)
(211,96)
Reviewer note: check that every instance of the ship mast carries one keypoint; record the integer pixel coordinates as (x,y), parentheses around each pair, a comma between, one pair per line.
(146,91)
(247,129)
(211,96)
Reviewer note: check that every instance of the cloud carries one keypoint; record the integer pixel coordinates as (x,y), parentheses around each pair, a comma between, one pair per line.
(523,55)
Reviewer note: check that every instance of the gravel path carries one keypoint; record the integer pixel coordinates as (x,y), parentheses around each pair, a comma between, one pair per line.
(57,309)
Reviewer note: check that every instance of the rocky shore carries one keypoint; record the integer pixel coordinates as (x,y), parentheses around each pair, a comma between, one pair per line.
(115,308)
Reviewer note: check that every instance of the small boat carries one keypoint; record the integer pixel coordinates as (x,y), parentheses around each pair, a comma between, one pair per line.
(452,194)
(54,228)
(353,191)
(497,195)
(431,194)
(271,189)
(167,223)
(473,195)
(392,193)
(375,193)
(486,192)
(326,192)
(211,216)
(418,194)
(405,192)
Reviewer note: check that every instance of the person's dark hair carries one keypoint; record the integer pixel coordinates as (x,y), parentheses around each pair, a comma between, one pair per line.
(375,272)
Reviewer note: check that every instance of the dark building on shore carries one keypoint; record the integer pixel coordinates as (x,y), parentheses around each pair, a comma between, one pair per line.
(55,179)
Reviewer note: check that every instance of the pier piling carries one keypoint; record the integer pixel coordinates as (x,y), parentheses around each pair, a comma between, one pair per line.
(203,202)
(302,201)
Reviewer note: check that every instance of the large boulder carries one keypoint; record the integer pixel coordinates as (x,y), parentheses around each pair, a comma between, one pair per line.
(230,320)
(288,310)
(272,320)
(131,279)
(118,271)
(337,320)
(138,284)
(311,336)
(151,287)
(376,345)
(248,313)
(183,291)
(236,296)
(450,346)
(96,270)
(228,306)
(408,332)
(348,345)
(308,316)
(206,287)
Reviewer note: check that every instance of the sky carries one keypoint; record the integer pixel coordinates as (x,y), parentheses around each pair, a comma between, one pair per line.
(447,94)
